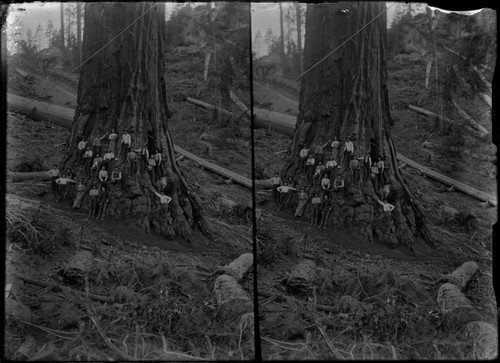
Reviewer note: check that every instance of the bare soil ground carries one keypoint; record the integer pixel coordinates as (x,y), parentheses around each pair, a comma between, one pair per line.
(380,301)
(162,304)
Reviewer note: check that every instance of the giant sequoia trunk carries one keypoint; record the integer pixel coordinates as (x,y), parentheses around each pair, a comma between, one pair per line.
(124,87)
(347,95)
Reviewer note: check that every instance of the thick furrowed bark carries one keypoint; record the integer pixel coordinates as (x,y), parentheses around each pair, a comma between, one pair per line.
(346,95)
(124,88)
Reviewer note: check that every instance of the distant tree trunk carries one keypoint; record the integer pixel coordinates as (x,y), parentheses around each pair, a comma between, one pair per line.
(282,33)
(62,26)
(79,31)
(347,96)
(299,36)
(124,87)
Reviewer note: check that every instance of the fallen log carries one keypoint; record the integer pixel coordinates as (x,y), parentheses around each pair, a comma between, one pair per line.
(451,182)
(17,177)
(274,121)
(41,111)
(301,277)
(469,119)
(456,308)
(21,72)
(444,119)
(237,178)
(461,276)
(485,337)
(239,267)
(210,107)
(232,301)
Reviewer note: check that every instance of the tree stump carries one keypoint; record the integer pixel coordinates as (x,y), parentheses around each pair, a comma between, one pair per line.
(78,267)
(301,277)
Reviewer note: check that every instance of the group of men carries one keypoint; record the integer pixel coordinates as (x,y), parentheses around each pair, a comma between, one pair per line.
(319,181)
(104,174)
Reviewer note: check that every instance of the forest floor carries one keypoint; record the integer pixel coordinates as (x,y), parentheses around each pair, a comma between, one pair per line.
(163,305)
(383,299)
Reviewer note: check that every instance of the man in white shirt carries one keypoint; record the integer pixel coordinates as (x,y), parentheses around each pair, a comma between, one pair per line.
(303,157)
(113,136)
(126,144)
(335,145)
(82,145)
(107,159)
(54,174)
(87,160)
(330,167)
(310,168)
(348,151)
(164,199)
(276,182)
(319,150)
(325,182)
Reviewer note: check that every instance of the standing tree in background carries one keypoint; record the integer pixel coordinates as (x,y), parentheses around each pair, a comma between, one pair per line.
(282,33)
(62,27)
(346,95)
(124,87)
(79,31)
(298,11)
(38,37)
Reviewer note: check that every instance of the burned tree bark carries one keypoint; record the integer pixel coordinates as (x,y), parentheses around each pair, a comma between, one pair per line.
(346,96)
(123,87)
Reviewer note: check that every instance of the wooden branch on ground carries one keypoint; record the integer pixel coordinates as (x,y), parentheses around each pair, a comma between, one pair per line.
(105,299)
(485,197)
(319,307)
(469,119)
(444,119)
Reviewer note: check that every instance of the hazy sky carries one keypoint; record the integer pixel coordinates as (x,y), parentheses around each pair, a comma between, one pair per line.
(266,15)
